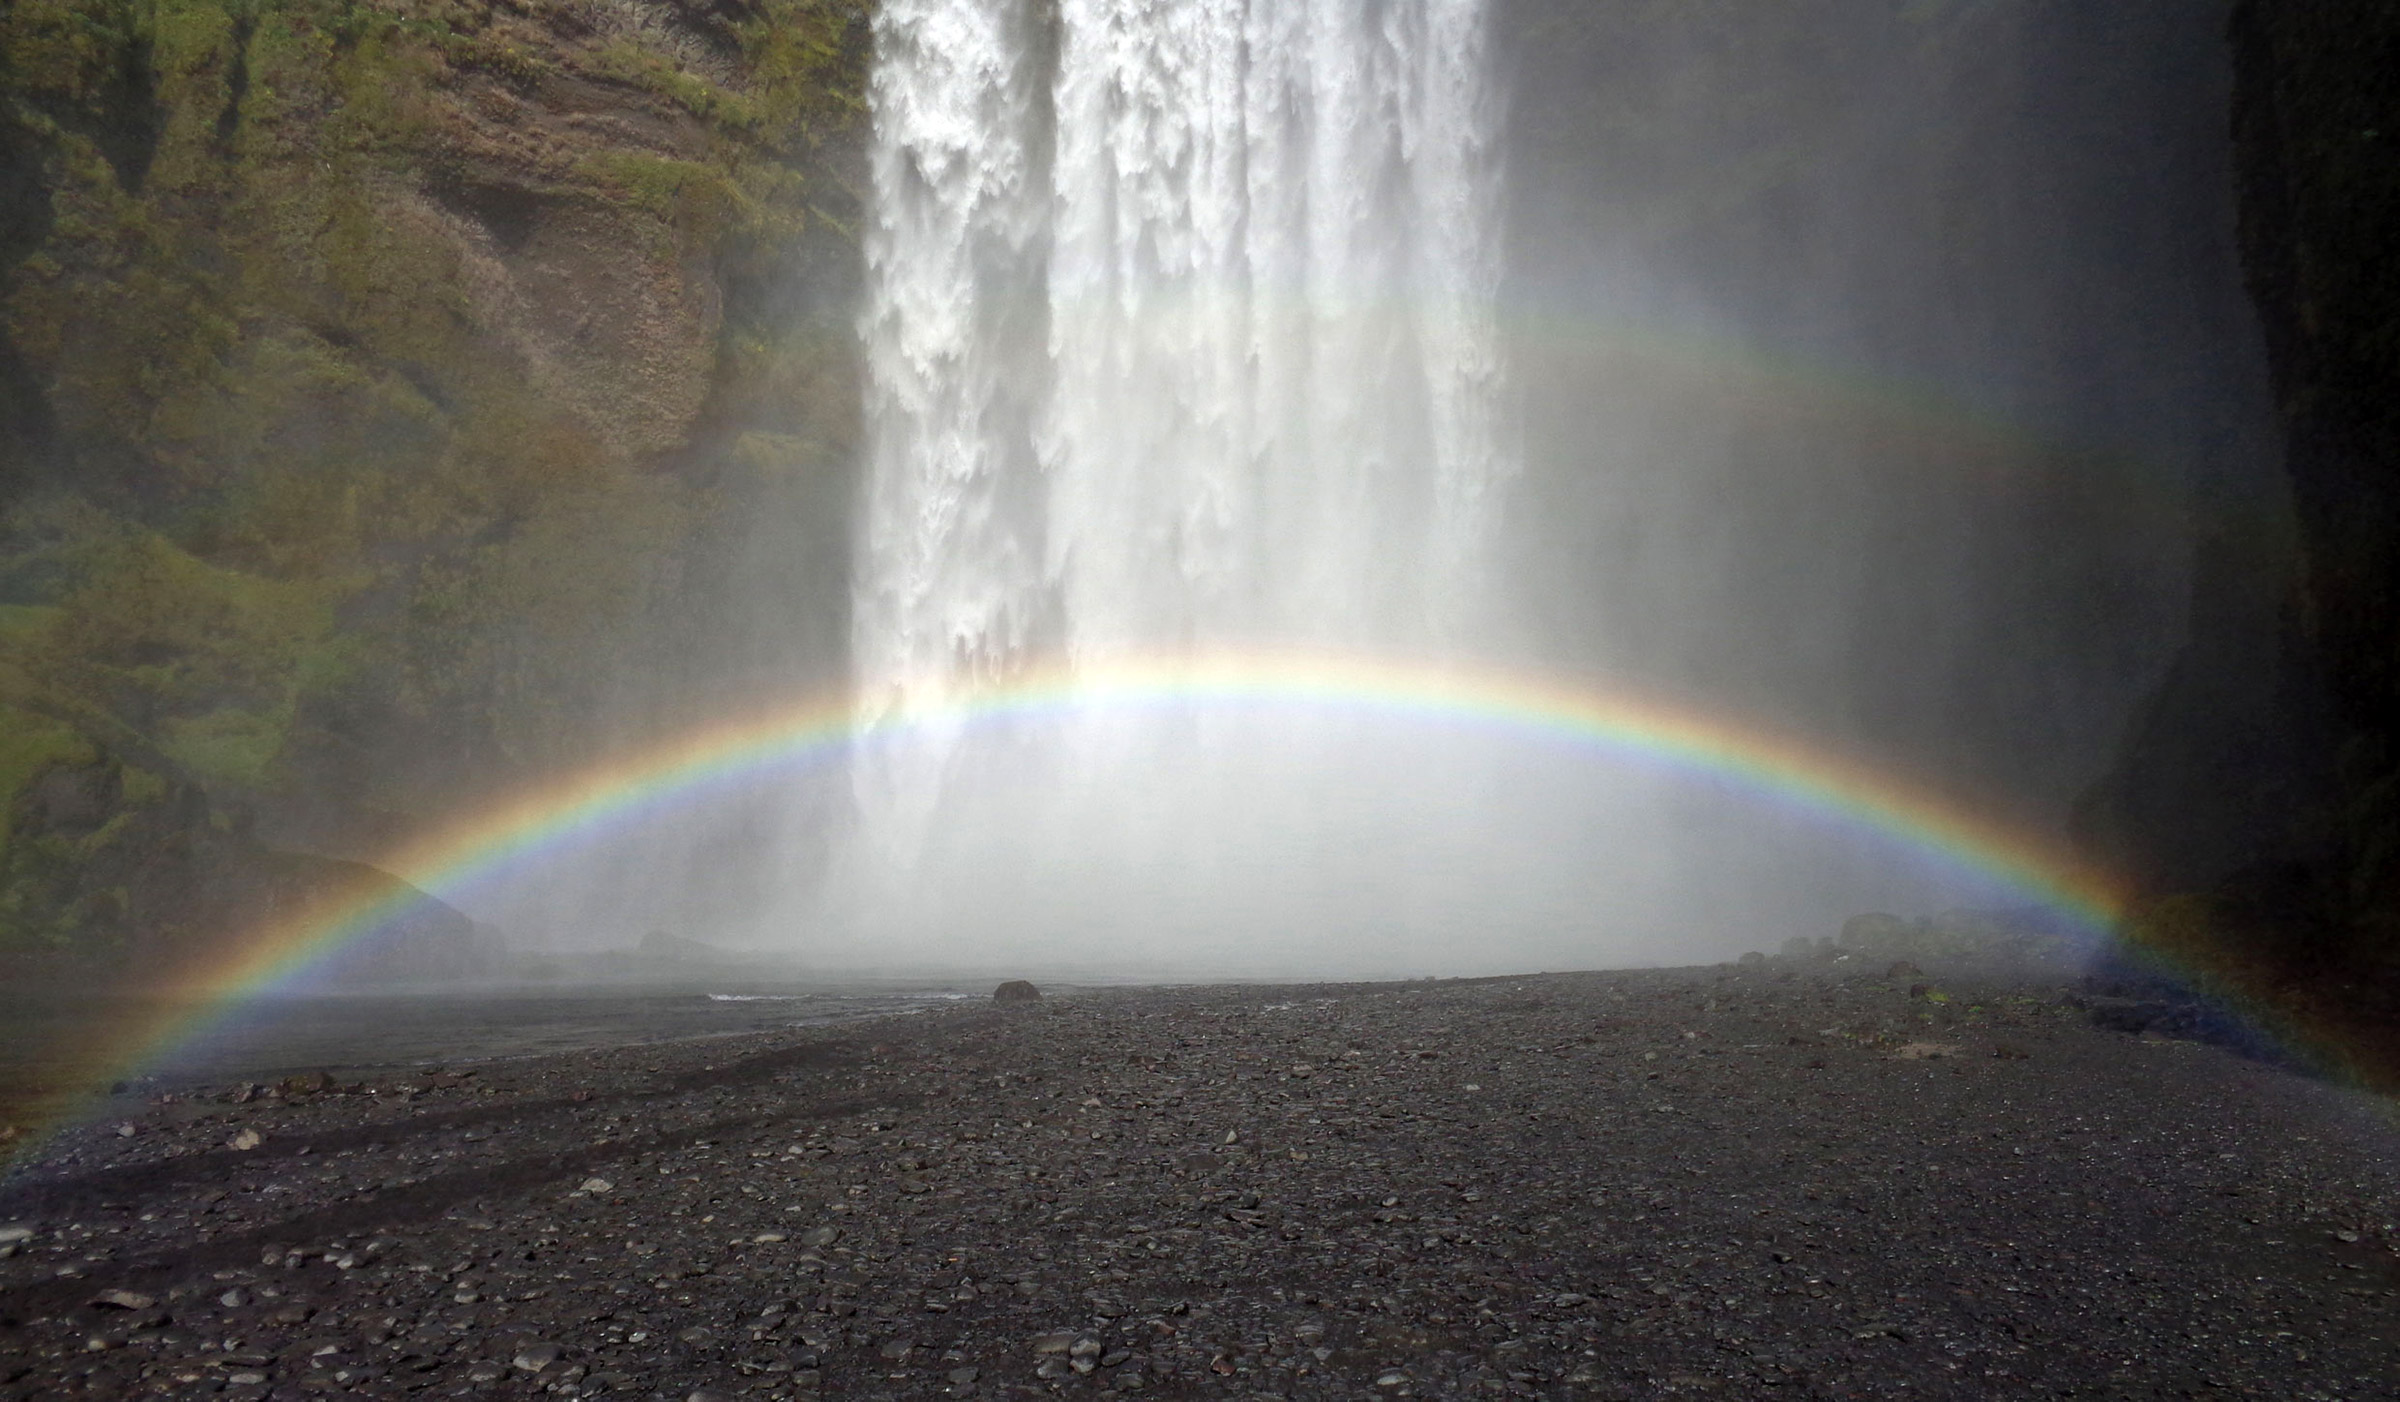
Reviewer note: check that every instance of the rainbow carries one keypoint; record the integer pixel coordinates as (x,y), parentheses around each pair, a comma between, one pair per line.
(1931,427)
(514,833)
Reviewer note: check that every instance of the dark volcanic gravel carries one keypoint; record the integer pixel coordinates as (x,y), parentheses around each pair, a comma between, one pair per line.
(1732,1182)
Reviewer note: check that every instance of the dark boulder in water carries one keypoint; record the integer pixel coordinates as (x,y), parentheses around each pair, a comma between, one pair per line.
(1016,990)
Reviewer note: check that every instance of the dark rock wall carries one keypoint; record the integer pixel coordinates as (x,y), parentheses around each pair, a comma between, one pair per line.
(2258,800)
(2317,131)
(1873,356)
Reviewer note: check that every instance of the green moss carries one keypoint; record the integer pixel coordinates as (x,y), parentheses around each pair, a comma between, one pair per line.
(230,745)
(22,623)
(31,745)
(625,61)
(141,787)
(688,193)
(211,662)
(493,55)
(67,53)
(311,509)
(808,68)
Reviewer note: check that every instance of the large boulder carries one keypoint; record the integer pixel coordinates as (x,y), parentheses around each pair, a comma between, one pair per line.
(1878,934)
(412,938)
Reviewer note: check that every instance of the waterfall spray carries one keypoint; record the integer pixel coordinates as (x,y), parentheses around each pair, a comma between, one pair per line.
(1182,338)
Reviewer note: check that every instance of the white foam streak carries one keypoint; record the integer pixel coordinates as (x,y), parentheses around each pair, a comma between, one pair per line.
(1181,335)
(1264,405)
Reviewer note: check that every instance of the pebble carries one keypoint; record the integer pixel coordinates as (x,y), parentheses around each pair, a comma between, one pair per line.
(533,1358)
(1265,1191)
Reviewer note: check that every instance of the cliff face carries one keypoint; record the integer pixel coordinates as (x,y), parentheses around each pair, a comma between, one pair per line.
(2317,132)
(386,384)
(1959,322)
(2260,798)
(381,382)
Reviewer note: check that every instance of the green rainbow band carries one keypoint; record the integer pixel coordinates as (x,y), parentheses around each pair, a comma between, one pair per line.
(595,798)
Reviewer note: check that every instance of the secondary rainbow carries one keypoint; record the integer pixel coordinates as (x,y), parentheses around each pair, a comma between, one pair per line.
(519,831)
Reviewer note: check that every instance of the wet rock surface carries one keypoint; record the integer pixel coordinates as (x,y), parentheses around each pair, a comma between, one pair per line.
(1731,1182)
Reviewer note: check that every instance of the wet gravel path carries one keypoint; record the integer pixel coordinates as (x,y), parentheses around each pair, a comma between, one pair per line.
(1726,1182)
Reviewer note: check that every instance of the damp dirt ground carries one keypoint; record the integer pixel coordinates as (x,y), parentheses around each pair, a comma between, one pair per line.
(52,1037)
(1729,1182)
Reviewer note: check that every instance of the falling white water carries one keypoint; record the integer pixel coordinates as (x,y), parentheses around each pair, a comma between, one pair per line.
(1181,331)
(1181,337)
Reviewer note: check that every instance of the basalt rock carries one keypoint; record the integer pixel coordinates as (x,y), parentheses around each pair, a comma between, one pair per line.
(2256,801)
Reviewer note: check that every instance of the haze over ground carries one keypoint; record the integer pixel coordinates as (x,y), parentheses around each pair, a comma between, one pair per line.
(1864,414)
(1877,387)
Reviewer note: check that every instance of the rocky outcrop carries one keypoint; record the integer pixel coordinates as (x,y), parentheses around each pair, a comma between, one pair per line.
(383,385)
(2262,788)
(1783,271)
(417,939)
(2316,120)
(2259,799)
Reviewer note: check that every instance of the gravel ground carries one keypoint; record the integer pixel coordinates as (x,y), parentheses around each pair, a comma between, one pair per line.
(1736,1181)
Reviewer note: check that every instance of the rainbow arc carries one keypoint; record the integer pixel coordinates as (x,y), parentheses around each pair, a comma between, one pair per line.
(516,834)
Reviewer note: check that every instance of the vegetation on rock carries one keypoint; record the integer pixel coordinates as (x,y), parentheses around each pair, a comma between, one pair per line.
(381,382)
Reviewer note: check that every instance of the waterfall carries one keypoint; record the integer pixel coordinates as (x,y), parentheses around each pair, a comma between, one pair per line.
(1180,335)
(1181,330)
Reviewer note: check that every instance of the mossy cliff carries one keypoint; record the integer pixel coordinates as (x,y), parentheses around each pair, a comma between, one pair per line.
(384,383)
